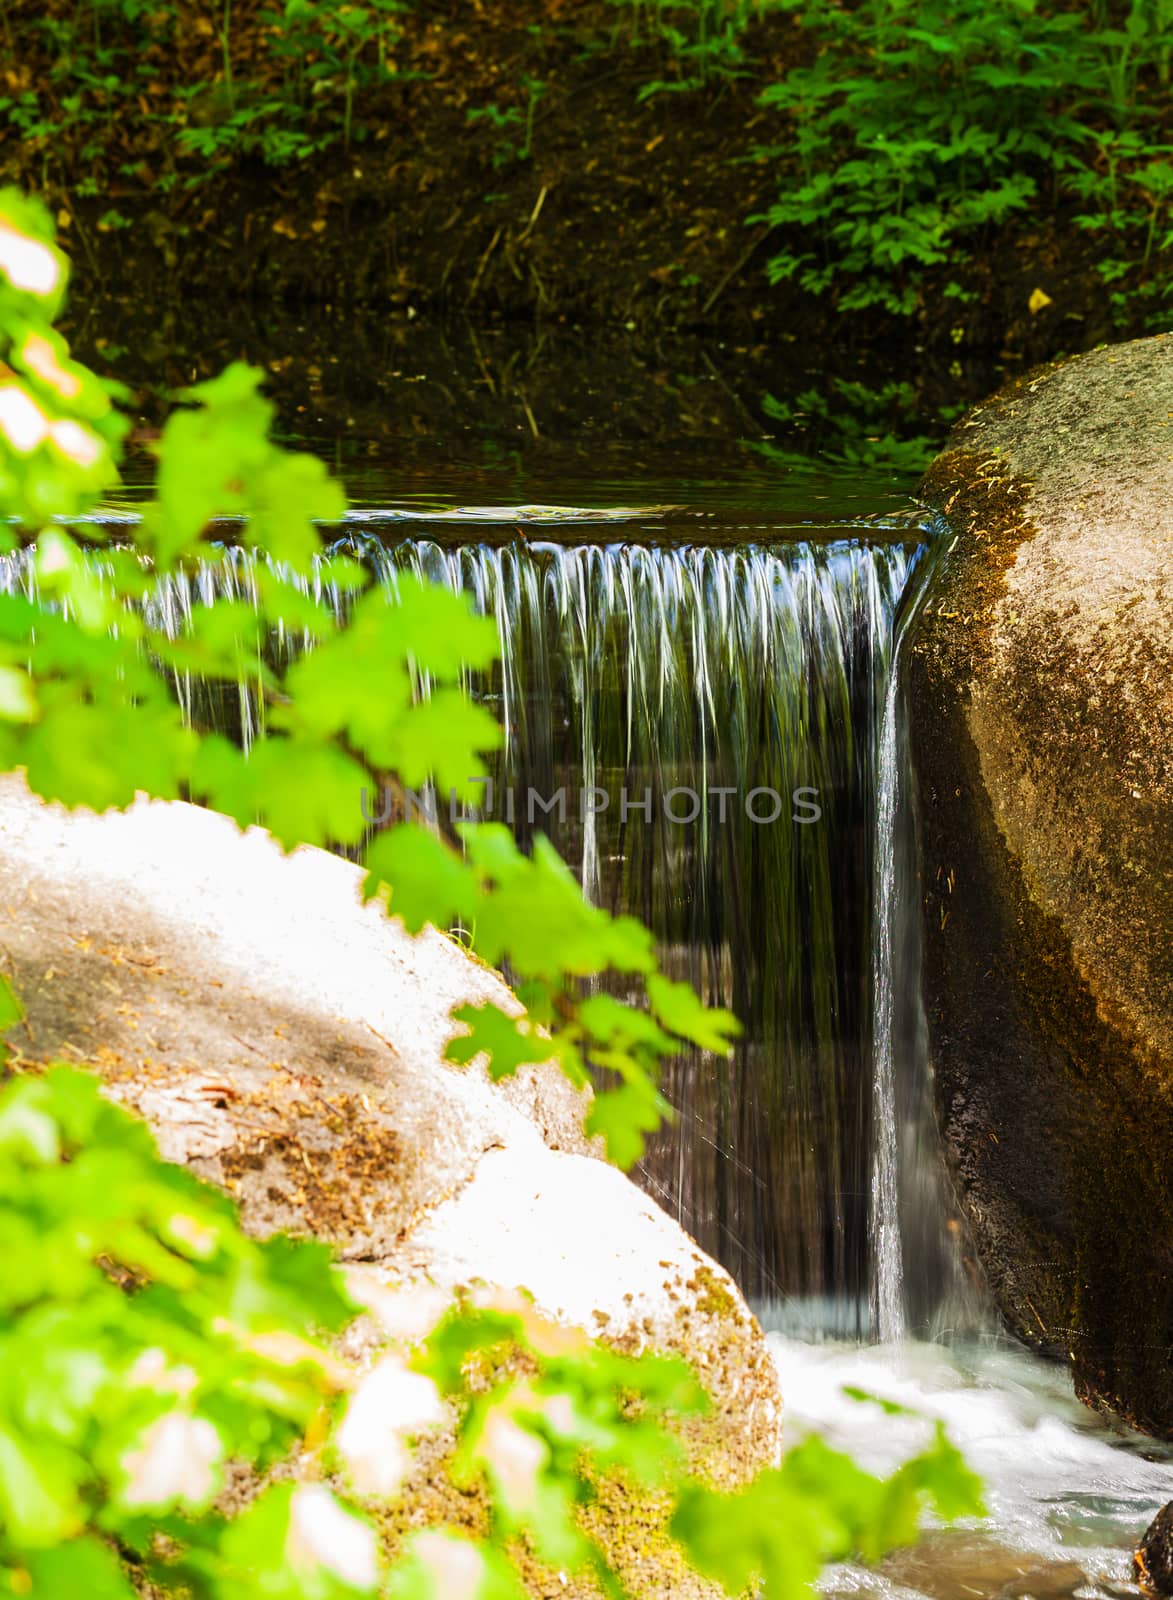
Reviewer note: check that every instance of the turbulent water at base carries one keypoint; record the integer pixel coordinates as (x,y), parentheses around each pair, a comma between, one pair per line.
(653,669)
(1068,1498)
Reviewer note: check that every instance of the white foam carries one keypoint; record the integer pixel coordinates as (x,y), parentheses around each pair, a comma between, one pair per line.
(1062,1487)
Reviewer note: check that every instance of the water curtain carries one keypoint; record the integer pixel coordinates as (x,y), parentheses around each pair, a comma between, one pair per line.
(710,735)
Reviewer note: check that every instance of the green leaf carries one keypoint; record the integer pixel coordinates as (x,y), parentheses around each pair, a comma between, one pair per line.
(330,689)
(292,493)
(678,1007)
(34,271)
(223,639)
(890,1408)
(18,697)
(536,916)
(294,1542)
(291,1283)
(622,1026)
(439,1562)
(758,1535)
(420,878)
(64,573)
(624,1117)
(437,628)
(101,754)
(28,1133)
(11,1010)
(941,1473)
(494,850)
(354,684)
(216,460)
(39,1503)
(83,1567)
(304,791)
(509,1042)
(442,738)
(290,604)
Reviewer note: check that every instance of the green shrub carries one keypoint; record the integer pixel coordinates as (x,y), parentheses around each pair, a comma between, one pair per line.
(703,37)
(922,125)
(106,64)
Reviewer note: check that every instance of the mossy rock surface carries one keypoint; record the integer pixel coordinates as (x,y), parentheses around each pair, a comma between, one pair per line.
(1041,684)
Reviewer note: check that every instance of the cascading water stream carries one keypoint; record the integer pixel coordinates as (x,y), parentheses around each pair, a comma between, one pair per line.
(719,682)
(887,1250)
(707,714)
(924,1281)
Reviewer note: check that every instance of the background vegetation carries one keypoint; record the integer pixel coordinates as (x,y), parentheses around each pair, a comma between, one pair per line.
(895,146)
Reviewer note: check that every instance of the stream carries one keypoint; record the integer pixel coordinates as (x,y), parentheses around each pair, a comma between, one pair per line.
(737,640)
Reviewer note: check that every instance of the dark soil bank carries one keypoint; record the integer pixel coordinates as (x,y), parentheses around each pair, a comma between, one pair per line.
(627,212)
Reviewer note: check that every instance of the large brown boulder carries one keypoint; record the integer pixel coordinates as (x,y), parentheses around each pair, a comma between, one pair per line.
(1041,682)
(287,1044)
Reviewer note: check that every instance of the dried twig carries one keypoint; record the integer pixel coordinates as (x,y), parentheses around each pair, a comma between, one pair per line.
(733,271)
(484,261)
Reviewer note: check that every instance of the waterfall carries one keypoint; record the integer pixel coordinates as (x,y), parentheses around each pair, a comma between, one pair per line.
(923,1279)
(887,1252)
(726,673)
(721,724)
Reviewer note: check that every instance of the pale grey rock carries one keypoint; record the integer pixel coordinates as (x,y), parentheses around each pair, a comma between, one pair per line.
(286,1042)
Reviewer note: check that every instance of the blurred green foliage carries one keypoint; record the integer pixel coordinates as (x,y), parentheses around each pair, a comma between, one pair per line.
(152,1351)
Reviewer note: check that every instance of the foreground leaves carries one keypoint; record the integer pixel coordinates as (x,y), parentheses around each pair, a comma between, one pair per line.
(148,1350)
(830,1508)
(137,1323)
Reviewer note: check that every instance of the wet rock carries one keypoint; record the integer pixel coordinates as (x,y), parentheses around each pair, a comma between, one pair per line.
(1152,1565)
(286,1043)
(1041,685)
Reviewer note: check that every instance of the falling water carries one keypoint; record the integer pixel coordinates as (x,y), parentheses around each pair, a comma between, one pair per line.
(887,1254)
(734,673)
(924,1281)
(746,676)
